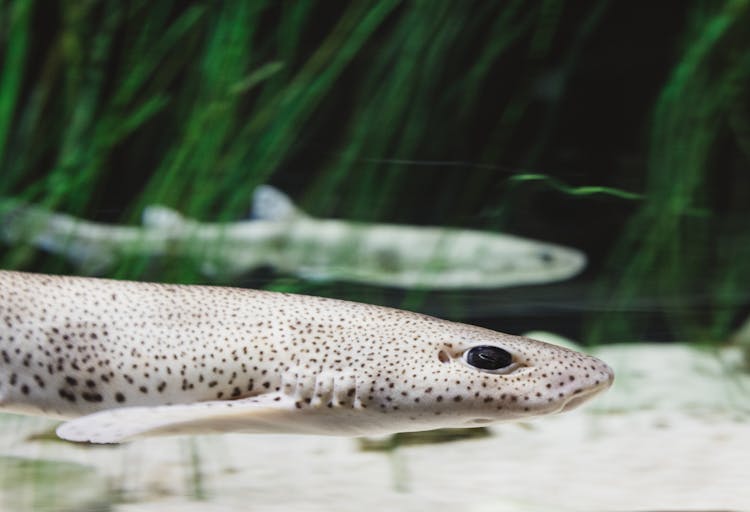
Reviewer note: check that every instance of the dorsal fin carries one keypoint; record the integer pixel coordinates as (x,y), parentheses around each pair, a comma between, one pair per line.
(270,203)
(161,217)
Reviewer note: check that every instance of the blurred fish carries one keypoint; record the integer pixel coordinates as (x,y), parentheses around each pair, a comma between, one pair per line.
(283,237)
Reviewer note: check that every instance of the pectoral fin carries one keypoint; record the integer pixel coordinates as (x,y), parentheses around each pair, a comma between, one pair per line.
(262,414)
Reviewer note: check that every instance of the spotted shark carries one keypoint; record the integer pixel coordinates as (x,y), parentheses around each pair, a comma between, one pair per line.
(120,360)
(281,236)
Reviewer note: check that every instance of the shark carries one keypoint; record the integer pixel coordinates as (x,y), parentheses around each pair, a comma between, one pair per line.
(281,236)
(122,360)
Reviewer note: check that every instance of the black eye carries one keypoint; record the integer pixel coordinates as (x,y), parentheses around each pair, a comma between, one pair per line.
(487,357)
(546,257)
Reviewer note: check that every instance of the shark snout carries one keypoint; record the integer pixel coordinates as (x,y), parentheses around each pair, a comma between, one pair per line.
(599,380)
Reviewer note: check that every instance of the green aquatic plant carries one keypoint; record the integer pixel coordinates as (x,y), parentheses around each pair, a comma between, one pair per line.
(421,112)
(683,249)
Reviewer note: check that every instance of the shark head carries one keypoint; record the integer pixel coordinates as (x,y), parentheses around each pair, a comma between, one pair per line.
(457,375)
(518,261)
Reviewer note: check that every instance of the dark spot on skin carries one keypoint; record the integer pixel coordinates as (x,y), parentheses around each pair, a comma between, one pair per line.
(91,397)
(119,397)
(25,389)
(143,389)
(388,260)
(67,395)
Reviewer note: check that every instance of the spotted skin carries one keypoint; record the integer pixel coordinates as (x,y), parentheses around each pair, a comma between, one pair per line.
(129,359)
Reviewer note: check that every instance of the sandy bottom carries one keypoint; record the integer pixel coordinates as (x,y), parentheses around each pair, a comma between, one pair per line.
(672,434)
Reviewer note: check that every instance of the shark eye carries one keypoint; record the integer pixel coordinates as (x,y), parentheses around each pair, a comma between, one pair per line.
(546,257)
(488,357)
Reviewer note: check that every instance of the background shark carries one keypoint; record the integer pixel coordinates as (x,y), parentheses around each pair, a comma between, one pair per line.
(281,236)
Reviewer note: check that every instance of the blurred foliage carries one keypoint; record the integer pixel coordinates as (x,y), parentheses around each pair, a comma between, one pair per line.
(684,238)
(48,484)
(600,125)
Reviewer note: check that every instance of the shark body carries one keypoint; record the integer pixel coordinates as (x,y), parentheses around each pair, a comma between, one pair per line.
(284,238)
(121,360)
